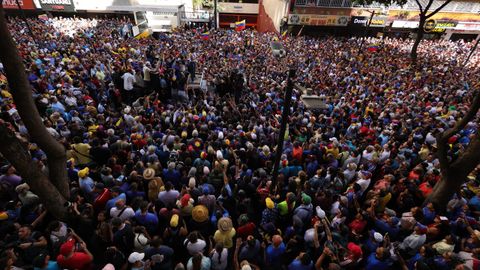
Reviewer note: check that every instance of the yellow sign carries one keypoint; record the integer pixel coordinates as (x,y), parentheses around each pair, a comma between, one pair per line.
(144,34)
(429,25)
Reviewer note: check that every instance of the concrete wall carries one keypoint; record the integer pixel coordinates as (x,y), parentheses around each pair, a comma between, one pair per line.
(271,13)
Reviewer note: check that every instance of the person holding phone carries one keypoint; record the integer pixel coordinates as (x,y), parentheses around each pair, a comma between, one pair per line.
(74,253)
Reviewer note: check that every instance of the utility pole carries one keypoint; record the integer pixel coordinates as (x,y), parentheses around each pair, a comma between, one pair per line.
(367,27)
(215,14)
(283,128)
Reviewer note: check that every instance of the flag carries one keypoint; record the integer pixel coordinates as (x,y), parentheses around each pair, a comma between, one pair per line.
(239,26)
(205,36)
(372,48)
(284,34)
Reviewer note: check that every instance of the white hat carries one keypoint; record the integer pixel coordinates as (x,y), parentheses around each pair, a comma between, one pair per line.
(309,235)
(135,257)
(378,237)
(220,135)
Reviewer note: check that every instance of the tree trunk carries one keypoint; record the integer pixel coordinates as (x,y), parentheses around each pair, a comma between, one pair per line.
(17,154)
(420,32)
(22,96)
(444,190)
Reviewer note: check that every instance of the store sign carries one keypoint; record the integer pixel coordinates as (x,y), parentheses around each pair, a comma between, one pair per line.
(378,21)
(318,20)
(429,25)
(362,21)
(405,24)
(359,21)
(468,26)
(57,5)
(444,25)
(238,8)
(24,4)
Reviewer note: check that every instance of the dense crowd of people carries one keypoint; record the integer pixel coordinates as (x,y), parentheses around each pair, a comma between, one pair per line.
(167,176)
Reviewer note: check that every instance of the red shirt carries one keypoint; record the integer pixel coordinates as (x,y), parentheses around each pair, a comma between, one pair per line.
(79,260)
(357,225)
(246,230)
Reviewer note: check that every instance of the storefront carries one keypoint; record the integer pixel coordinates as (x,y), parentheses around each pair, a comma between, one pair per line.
(26,6)
(318,25)
(229,13)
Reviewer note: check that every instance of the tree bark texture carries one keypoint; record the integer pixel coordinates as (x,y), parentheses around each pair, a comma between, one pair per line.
(22,96)
(18,155)
(418,39)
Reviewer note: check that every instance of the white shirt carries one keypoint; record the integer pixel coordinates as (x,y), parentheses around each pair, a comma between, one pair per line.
(71,101)
(128,81)
(194,248)
(363,183)
(222,263)
(127,214)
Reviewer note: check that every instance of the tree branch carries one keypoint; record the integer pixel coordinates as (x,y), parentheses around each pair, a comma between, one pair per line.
(469,159)
(419,6)
(472,112)
(15,151)
(430,2)
(438,9)
(22,96)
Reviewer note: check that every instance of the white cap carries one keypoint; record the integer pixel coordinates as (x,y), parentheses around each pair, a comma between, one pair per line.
(219,155)
(135,257)
(378,237)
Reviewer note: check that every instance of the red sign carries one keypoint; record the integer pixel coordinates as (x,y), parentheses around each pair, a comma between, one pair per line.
(12,4)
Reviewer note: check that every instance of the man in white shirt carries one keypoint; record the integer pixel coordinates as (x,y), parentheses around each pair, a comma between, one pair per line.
(121,211)
(128,81)
(194,244)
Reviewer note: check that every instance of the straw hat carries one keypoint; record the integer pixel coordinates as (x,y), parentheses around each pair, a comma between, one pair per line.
(225,224)
(200,213)
(148,174)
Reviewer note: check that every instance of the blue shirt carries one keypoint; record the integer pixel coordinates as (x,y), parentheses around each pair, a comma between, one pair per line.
(475,203)
(297,265)
(86,184)
(52,265)
(274,255)
(375,264)
(149,220)
(111,202)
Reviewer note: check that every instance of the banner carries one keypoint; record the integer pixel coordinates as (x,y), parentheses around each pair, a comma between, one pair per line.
(318,20)
(24,4)
(57,5)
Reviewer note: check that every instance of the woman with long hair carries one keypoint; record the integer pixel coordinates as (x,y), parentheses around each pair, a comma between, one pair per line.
(219,257)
